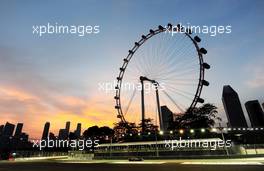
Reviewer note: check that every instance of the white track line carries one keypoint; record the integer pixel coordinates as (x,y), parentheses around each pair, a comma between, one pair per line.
(223,163)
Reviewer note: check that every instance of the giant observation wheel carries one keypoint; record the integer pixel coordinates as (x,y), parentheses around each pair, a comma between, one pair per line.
(171,61)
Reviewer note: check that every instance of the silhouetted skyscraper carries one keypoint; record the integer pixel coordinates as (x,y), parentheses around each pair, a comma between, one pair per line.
(1,129)
(232,106)
(46,131)
(8,129)
(18,129)
(63,134)
(52,136)
(67,128)
(167,117)
(255,113)
(24,137)
(77,132)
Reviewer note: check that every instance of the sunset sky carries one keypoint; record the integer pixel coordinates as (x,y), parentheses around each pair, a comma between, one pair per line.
(55,77)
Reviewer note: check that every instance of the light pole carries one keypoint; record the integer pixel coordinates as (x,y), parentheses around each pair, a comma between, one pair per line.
(223,137)
(158,105)
(110,149)
(142,104)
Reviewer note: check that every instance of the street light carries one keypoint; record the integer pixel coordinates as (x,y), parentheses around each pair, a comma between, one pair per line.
(192,131)
(213,130)
(181,131)
(171,132)
(161,132)
(202,130)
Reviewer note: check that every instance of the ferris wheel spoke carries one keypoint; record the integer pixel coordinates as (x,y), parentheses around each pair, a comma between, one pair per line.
(162,46)
(172,45)
(145,62)
(178,82)
(179,52)
(165,57)
(156,51)
(152,62)
(183,48)
(144,69)
(181,73)
(173,101)
(136,68)
(183,95)
(130,101)
(178,78)
(133,79)
(183,64)
(190,74)
(139,63)
(182,91)
(175,72)
(189,58)
(178,90)
(185,84)
(169,57)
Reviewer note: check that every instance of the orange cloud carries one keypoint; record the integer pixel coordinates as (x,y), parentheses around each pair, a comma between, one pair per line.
(34,111)
(11,92)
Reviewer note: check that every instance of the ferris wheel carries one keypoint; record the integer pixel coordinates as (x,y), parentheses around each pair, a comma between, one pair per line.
(161,69)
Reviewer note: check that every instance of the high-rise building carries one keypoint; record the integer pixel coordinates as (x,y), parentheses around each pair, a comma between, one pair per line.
(255,113)
(232,106)
(52,136)
(167,117)
(63,134)
(45,133)
(77,132)
(18,129)
(8,129)
(1,129)
(24,137)
(67,128)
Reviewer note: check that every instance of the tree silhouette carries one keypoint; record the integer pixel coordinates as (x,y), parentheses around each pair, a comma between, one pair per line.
(149,126)
(91,132)
(106,131)
(200,117)
(121,129)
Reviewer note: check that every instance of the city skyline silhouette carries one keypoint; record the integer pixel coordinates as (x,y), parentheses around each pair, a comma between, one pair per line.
(55,77)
